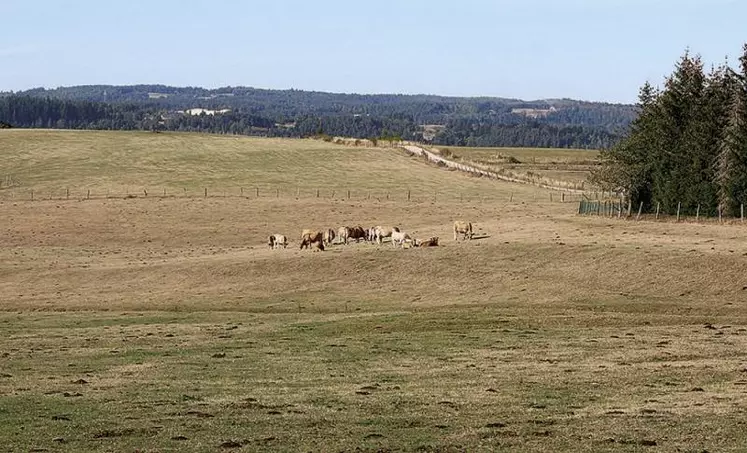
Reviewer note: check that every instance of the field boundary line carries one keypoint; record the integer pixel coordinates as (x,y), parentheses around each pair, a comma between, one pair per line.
(420,151)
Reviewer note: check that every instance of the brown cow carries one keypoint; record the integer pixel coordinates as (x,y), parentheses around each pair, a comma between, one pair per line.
(311,237)
(347,233)
(431,242)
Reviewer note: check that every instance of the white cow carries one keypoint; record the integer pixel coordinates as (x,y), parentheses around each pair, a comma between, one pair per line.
(277,240)
(399,237)
(381,232)
(463,228)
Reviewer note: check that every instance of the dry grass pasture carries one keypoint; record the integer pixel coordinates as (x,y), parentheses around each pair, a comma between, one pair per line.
(166,324)
(563,168)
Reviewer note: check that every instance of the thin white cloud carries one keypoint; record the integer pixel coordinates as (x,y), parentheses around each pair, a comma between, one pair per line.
(15,51)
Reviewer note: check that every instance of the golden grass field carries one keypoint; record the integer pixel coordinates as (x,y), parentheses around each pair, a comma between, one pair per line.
(166,324)
(562,168)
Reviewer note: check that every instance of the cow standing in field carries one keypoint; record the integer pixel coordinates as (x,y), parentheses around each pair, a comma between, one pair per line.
(343,232)
(329,236)
(311,237)
(347,233)
(381,232)
(463,228)
(399,237)
(277,240)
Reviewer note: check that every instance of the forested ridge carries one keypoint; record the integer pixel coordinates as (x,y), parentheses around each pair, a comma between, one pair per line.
(480,121)
(687,149)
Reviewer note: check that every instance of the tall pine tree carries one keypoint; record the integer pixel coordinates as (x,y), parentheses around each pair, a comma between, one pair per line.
(732,164)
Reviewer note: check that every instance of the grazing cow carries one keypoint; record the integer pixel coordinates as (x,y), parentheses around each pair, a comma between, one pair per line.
(400,237)
(311,237)
(463,228)
(383,232)
(347,233)
(370,234)
(431,242)
(329,236)
(277,240)
(357,233)
(343,232)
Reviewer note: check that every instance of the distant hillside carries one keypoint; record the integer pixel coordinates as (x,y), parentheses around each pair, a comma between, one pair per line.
(478,121)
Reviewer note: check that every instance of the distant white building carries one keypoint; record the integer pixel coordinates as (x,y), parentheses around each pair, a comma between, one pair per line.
(198,111)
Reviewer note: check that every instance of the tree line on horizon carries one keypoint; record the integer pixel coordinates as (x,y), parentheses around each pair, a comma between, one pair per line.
(293,113)
(687,149)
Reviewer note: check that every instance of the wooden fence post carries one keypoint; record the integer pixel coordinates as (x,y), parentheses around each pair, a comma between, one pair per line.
(348,194)
(620,209)
(333,194)
(277,193)
(658,206)
(256,190)
(205,192)
(408,194)
(719,213)
(32,195)
(317,193)
(679,205)
(145,192)
(562,197)
(697,213)
(67,193)
(640,209)
(630,207)
(242,191)
(164,192)
(741,209)
(88,196)
(511,198)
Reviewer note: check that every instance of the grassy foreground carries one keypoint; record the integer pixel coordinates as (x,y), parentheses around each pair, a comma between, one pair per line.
(167,325)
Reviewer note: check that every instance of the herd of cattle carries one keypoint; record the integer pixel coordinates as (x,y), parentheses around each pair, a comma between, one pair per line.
(377,234)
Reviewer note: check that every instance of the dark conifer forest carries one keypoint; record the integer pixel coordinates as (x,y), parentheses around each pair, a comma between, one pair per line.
(687,149)
(560,123)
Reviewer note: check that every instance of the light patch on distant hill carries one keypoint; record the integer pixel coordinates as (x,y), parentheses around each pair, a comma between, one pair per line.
(199,111)
(534,113)
(431,130)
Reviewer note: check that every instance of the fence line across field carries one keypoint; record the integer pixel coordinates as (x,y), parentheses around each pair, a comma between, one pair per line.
(256,192)
(616,208)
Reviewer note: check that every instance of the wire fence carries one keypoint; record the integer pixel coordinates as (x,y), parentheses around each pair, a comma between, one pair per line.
(616,208)
(284,192)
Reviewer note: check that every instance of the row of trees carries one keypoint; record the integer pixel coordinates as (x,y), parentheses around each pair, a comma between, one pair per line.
(38,112)
(688,146)
(282,106)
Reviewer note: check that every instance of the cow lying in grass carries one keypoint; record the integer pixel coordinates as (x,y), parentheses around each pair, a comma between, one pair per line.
(430,242)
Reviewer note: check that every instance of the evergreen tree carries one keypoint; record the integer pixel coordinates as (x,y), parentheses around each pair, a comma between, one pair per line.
(732,164)
(628,166)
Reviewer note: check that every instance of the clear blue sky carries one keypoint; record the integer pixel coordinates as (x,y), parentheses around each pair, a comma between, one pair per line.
(531,49)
